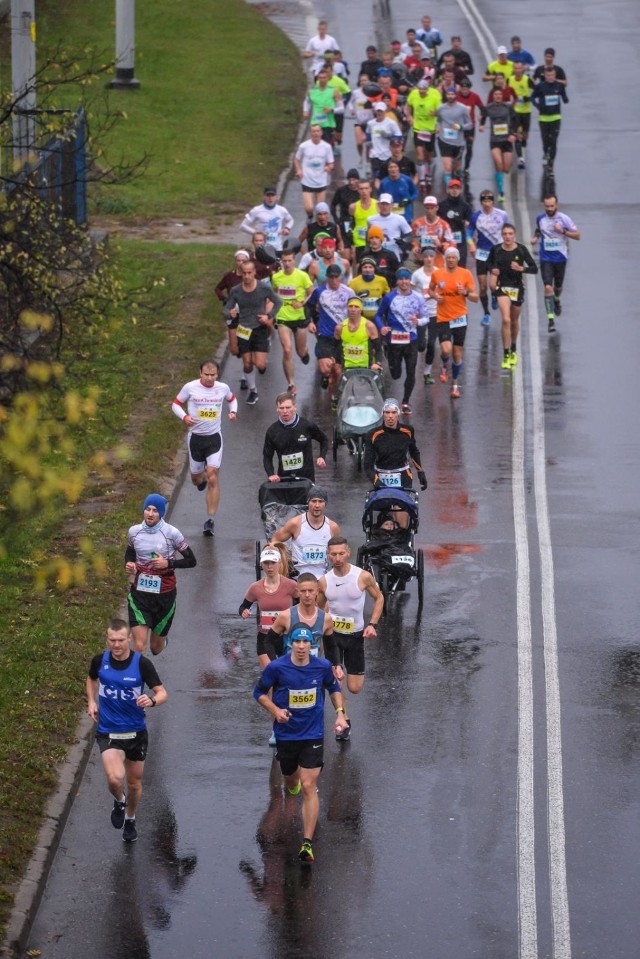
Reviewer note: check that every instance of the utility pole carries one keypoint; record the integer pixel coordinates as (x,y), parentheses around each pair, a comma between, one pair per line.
(23,72)
(125,46)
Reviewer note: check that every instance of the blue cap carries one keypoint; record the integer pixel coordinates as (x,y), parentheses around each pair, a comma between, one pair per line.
(384,72)
(403,274)
(154,499)
(301,632)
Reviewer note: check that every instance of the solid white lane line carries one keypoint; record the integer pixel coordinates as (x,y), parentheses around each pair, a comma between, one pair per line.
(555,790)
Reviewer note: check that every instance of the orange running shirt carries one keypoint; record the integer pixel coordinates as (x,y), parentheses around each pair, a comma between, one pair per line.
(454,304)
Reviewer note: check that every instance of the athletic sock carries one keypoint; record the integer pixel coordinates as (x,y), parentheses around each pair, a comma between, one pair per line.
(548,305)
(455,370)
(500,182)
(514,347)
(427,368)
(484,299)
(251,380)
(444,360)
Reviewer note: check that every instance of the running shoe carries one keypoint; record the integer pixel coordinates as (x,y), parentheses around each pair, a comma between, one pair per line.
(207,529)
(243,385)
(557,305)
(272,740)
(292,389)
(521,163)
(444,375)
(305,359)
(129,833)
(552,325)
(513,359)
(117,813)
(428,379)
(455,392)
(306,852)
(201,486)
(252,398)
(506,362)
(324,382)
(297,789)
(501,199)
(345,734)
(406,408)
(494,302)
(486,319)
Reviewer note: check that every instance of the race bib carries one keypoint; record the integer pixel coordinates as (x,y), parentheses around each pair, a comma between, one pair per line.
(292,461)
(551,245)
(315,555)
(362,232)
(552,100)
(355,352)
(424,136)
(122,735)
(148,583)
(500,129)
(286,292)
(389,478)
(459,321)
(370,304)
(404,560)
(449,134)
(243,332)
(512,292)
(302,698)
(273,237)
(344,624)
(400,336)
(482,255)
(208,413)
(320,118)
(267,619)
(398,208)
(457,236)
(316,164)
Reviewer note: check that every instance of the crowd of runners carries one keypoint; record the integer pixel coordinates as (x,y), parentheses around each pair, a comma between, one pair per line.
(383,271)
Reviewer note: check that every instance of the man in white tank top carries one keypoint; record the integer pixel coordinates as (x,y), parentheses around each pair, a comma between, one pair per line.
(342,591)
(309,533)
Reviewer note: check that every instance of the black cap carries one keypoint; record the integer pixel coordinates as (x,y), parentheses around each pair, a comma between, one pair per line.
(466,82)
(270,189)
(334,270)
(353,173)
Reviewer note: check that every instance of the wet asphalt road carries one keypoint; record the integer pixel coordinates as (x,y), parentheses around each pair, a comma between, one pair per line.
(427,845)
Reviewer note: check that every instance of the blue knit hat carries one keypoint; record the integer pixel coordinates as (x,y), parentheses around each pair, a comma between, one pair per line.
(154,499)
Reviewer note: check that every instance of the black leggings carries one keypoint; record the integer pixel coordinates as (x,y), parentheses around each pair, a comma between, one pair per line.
(550,133)
(395,355)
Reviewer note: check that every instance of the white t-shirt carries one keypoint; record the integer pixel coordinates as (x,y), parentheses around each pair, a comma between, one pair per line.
(313,158)
(319,47)
(421,281)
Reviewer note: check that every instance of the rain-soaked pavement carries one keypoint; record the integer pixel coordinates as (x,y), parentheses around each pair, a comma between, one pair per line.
(480,809)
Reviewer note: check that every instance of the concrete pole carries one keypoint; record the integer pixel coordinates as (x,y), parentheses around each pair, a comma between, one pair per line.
(125,46)
(23,70)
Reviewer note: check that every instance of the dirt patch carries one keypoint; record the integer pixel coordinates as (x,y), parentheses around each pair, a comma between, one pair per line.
(167,230)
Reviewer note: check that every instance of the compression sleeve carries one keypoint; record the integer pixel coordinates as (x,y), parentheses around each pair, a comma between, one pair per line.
(186,561)
(245,604)
(130,555)
(178,409)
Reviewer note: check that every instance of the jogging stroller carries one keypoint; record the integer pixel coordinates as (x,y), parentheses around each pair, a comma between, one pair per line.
(359,410)
(278,503)
(390,521)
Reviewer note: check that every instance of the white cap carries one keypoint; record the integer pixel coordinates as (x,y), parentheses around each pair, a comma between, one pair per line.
(430,199)
(380,105)
(385,198)
(502,50)
(269,553)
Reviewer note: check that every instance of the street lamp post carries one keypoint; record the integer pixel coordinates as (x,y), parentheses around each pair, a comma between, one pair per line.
(125,46)
(23,71)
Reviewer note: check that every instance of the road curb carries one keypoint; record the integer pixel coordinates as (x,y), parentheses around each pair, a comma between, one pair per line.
(70,772)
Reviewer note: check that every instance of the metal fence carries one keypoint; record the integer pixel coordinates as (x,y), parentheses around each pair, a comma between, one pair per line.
(59,175)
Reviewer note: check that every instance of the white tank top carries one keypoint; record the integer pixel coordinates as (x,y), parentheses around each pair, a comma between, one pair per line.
(345,600)
(309,548)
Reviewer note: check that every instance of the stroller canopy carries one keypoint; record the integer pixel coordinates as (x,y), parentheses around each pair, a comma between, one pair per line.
(379,500)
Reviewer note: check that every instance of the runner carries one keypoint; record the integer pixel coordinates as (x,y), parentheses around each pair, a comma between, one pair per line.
(320,103)
(472,102)
(461,58)
(318,46)
(453,120)
(518,55)
(501,137)
(452,286)
(390,451)
(342,199)
(433,228)
(550,61)
(329,304)
(269,217)
(327,256)
(401,187)
(398,317)
(501,65)
(395,228)
(522,85)
(116,701)
(204,398)
(222,290)
(297,683)
(546,98)
(313,163)
(456,213)
(360,211)
(309,533)
(359,338)
(422,105)
(271,594)
(380,130)
(252,307)
(486,223)
(553,229)
(290,438)
(150,559)
(385,261)
(343,590)
(427,335)
(507,263)
(293,287)
(369,286)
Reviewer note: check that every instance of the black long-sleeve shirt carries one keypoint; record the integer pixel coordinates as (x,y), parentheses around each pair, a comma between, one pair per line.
(293,446)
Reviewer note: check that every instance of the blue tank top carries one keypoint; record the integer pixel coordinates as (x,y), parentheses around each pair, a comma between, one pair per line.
(118,690)
(317,629)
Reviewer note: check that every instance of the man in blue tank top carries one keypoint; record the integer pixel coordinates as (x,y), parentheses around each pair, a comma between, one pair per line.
(297,682)
(116,701)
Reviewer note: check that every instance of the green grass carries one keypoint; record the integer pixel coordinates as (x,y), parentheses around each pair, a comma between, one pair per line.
(217,113)
(218,106)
